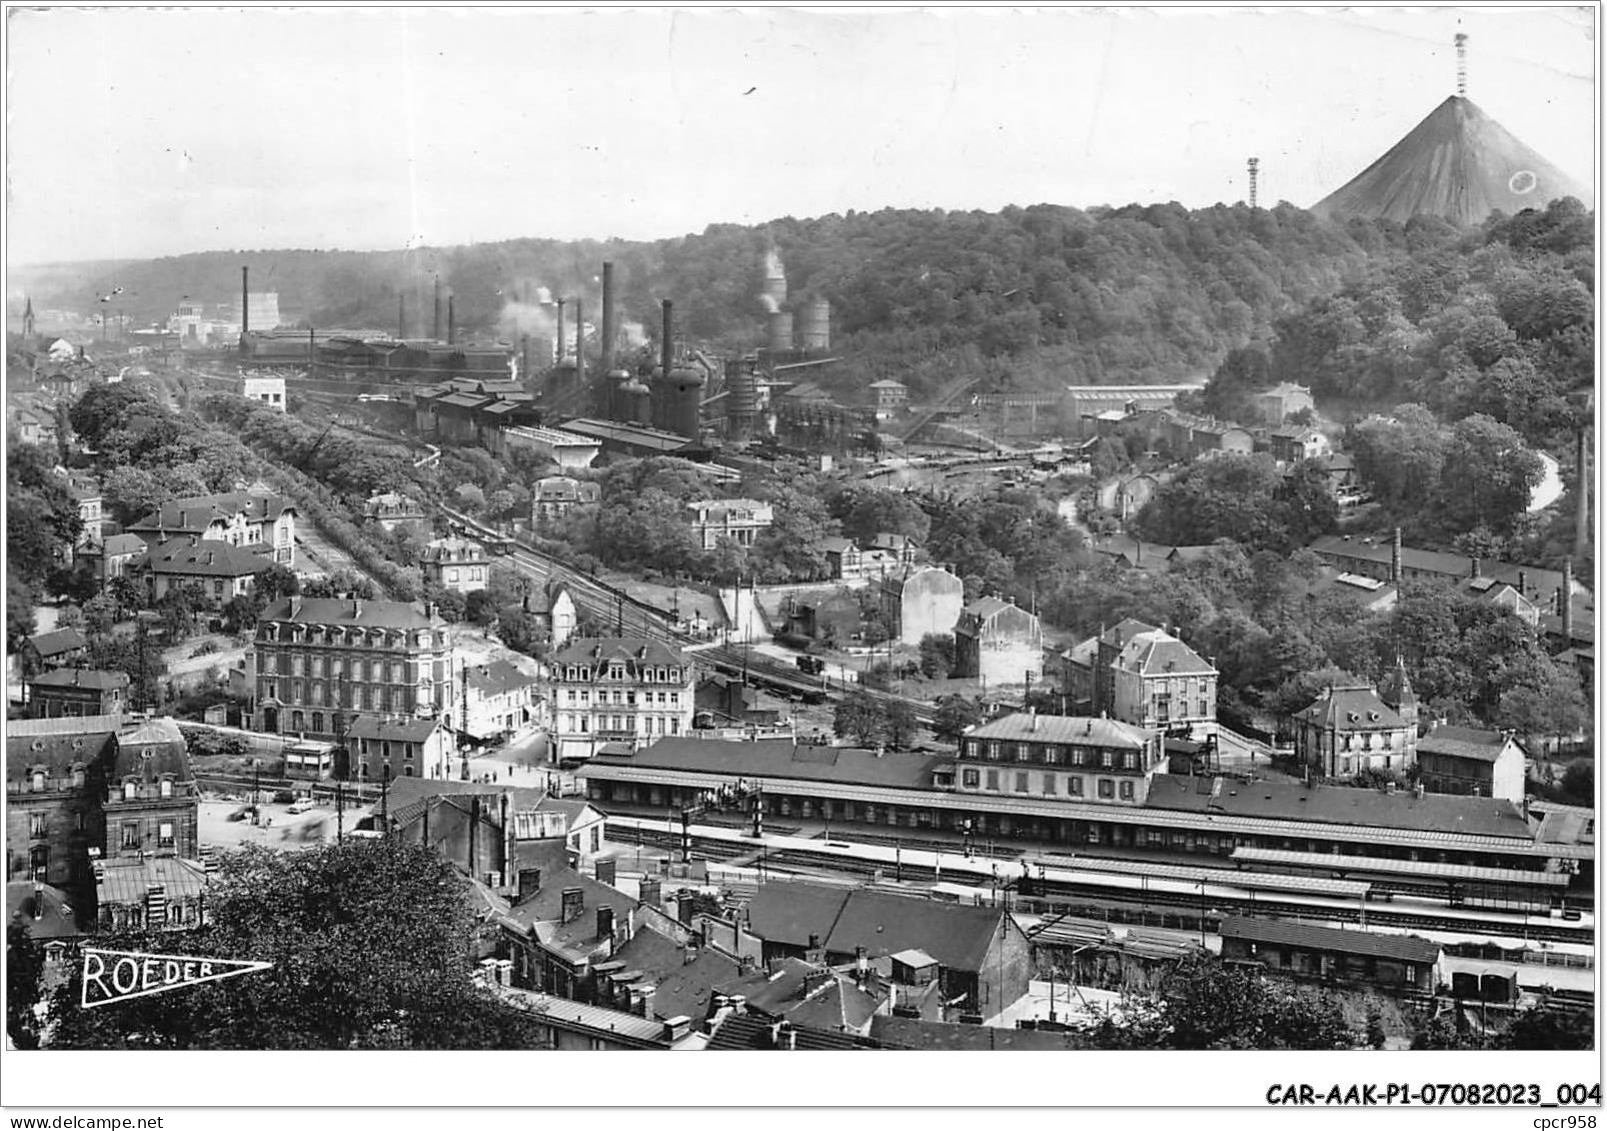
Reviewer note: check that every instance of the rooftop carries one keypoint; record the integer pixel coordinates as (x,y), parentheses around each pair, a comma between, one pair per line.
(1157,652)
(955,935)
(744,1034)
(498,678)
(1284,932)
(1340,805)
(1352,708)
(206,557)
(627,649)
(195,514)
(941,1036)
(85,678)
(778,758)
(350,611)
(54,643)
(1066,729)
(1465,742)
(398,730)
(128,881)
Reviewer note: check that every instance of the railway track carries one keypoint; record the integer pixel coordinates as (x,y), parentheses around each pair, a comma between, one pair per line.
(1112,886)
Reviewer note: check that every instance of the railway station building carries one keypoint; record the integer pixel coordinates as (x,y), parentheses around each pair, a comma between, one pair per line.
(918,799)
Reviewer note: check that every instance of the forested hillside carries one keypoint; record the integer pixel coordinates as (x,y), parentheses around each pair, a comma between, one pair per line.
(1044,293)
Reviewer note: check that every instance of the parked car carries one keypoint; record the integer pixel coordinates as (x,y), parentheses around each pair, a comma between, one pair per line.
(303,805)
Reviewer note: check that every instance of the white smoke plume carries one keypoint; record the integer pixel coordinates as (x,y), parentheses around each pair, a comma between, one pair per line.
(773,267)
(634,334)
(770,306)
(525,318)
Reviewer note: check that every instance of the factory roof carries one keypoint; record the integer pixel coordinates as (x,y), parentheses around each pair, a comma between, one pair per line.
(1340,805)
(553,436)
(631,434)
(1284,932)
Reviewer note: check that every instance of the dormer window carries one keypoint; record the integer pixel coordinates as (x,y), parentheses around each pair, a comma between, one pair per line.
(78,776)
(39,781)
(166,788)
(130,790)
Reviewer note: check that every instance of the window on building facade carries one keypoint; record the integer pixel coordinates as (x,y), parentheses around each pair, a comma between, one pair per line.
(1127,791)
(596,838)
(1021,783)
(1052,755)
(130,837)
(1049,784)
(971,779)
(1130,761)
(36,824)
(38,781)
(164,835)
(993,751)
(1079,756)
(166,787)
(1074,786)
(1107,788)
(130,790)
(993,779)
(1107,758)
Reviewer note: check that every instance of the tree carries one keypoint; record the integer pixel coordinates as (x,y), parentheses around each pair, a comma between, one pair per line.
(277,581)
(860,715)
(900,724)
(1208,1005)
(1579,782)
(372,946)
(955,713)
(25,967)
(937,655)
(20,623)
(1548,1029)
(1489,476)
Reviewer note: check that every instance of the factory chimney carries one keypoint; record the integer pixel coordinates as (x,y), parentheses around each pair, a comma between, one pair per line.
(451,320)
(666,360)
(435,328)
(609,329)
(1255,172)
(245,300)
(580,344)
(560,331)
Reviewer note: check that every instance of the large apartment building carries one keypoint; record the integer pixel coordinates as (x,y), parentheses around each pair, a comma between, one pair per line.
(619,689)
(317,657)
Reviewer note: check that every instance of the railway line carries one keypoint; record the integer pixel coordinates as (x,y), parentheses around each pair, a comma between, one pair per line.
(1103,885)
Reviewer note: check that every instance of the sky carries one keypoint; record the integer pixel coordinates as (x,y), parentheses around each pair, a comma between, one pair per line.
(145,132)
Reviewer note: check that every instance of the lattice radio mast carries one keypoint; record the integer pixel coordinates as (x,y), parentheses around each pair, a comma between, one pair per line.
(1461,64)
(1255,173)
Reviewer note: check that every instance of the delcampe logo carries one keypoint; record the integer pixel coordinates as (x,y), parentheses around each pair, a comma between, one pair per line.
(112,976)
